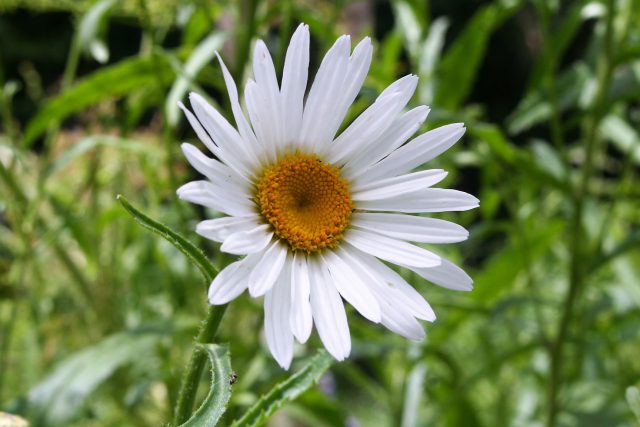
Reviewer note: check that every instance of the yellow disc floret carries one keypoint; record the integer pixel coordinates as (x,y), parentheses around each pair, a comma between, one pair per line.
(306,201)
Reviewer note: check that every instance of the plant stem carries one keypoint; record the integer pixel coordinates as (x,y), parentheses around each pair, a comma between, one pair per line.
(191,377)
(579,256)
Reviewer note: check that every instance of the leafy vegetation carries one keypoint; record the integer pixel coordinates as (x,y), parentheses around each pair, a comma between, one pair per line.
(98,315)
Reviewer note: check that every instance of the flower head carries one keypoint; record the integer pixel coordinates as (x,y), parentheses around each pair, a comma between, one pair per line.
(314,214)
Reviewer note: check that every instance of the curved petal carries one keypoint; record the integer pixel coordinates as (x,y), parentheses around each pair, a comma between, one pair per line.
(248,242)
(328,312)
(267,84)
(448,275)
(410,228)
(374,121)
(207,194)
(321,118)
(396,135)
(232,280)
(389,285)
(266,272)
(294,83)
(426,200)
(241,121)
(415,153)
(277,306)
(301,318)
(233,151)
(352,288)
(216,171)
(219,229)
(398,186)
(392,250)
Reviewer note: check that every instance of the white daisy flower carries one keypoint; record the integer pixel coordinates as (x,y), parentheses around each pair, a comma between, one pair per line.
(314,214)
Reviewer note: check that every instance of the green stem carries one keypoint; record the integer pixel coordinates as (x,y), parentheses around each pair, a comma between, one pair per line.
(191,377)
(577,245)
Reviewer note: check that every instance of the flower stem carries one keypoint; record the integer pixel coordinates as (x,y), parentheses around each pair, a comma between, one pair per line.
(191,377)
(579,256)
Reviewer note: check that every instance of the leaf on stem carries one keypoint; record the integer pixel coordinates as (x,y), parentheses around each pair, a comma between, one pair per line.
(214,405)
(195,255)
(286,391)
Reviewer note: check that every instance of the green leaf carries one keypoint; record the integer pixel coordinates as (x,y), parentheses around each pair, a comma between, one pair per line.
(286,391)
(195,255)
(90,29)
(57,398)
(458,68)
(201,55)
(214,405)
(116,80)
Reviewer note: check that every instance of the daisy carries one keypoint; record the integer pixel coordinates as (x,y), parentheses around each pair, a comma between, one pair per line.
(314,214)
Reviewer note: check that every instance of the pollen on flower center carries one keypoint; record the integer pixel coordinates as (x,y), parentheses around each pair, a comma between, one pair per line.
(306,201)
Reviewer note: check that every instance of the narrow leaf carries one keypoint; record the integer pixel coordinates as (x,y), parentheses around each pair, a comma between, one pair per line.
(195,255)
(113,81)
(216,401)
(202,54)
(286,391)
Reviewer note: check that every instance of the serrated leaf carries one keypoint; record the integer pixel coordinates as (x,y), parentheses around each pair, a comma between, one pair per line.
(195,255)
(286,391)
(214,405)
(113,81)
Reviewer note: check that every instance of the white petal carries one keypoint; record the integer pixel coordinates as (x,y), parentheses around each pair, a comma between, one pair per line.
(392,250)
(328,312)
(386,282)
(356,72)
(374,121)
(352,288)
(231,281)
(294,82)
(301,320)
(220,228)
(427,200)
(409,227)
(448,275)
(207,194)
(371,123)
(248,242)
(197,127)
(241,121)
(402,323)
(397,308)
(277,306)
(396,135)
(399,185)
(233,150)
(268,269)
(258,109)
(415,153)
(321,118)
(265,75)
(216,171)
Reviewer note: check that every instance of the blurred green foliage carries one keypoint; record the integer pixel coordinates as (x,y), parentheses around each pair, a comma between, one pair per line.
(97,315)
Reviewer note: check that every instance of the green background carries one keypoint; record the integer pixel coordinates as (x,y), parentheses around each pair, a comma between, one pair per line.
(97,315)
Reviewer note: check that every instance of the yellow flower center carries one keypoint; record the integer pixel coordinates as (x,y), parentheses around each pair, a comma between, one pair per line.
(306,201)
